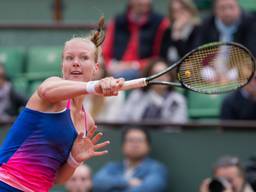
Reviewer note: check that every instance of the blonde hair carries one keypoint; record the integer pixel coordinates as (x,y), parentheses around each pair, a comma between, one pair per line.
(189,6)
(96,37)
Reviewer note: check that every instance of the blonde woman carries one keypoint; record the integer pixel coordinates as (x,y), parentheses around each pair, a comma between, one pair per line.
(181,36)
(48,140)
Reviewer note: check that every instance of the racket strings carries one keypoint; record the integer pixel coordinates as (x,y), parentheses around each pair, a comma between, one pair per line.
(216,68)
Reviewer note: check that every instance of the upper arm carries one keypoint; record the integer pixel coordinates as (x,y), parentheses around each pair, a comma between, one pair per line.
(39,103)
(44,85)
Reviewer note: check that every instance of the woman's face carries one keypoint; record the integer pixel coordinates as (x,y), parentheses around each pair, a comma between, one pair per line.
(79,60)
(160,66)
(178,10)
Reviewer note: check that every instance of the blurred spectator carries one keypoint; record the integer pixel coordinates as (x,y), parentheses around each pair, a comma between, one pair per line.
(240,104)
(133,37)
(179,39)
(104,108)
(229,23)
(81,180)
(156,102)
(137,172)
(228,176)
(10,100)
(250,170)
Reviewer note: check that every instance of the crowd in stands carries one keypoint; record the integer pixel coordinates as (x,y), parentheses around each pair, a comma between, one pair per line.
(138,172)
(141,42)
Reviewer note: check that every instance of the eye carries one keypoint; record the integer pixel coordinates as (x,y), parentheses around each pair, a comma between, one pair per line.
(84,57)
(69,58)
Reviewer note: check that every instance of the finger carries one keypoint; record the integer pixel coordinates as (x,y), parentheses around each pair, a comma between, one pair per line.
(106,86)
(115,93)
(101,145)
(97,138)
(114,85)
(100,153)
(91,132)
(111,86)
(80,136)
(92,128)
(121,82)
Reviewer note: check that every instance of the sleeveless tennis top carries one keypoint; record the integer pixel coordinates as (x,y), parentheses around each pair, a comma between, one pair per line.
(37,145)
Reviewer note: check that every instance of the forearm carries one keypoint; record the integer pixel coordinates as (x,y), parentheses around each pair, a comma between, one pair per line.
(56,89)
(65,172)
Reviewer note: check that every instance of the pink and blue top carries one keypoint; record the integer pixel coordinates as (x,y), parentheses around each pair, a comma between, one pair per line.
(37,145)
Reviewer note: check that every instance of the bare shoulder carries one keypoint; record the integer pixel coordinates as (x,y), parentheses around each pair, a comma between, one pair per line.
(35,102)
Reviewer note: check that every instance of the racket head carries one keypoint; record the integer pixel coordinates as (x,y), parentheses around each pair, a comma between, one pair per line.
(216,68)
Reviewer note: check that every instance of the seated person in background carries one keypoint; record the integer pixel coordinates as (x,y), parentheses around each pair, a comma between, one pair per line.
(179,38)
(157,102)
(240,104)
(10,100)
(250,170)
(228,174)
(104,108)
(81,180)
(228,23)
(137,172)
(132,38)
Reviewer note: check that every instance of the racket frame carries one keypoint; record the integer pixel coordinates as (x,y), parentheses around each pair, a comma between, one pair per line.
(150,80)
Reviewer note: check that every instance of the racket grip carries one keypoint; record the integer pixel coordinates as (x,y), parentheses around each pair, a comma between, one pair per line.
(133,84)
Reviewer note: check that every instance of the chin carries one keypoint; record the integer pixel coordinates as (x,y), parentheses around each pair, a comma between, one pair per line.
(78,78)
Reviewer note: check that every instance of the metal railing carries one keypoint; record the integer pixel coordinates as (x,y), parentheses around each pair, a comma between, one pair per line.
(191,125)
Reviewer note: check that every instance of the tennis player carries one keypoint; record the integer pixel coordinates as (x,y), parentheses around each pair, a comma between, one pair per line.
(53,134)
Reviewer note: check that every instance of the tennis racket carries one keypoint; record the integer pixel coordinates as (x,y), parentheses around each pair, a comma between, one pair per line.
(212,68)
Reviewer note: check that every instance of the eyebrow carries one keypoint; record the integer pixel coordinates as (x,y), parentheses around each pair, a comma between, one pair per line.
(71,53)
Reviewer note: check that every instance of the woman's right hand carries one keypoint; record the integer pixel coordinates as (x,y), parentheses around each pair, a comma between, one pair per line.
(109,86)
(86,147)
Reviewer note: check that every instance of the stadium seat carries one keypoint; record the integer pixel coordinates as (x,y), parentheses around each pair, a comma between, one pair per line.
(203,106)
(249,5)
(13,59)
(21,85)
(43,62)
(33,86)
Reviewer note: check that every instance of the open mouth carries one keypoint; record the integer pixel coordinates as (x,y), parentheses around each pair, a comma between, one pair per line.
(76,73)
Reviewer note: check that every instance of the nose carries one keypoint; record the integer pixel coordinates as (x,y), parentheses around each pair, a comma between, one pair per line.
(76,63)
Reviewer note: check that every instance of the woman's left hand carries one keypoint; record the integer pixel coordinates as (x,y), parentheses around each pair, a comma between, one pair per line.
(109,86)
(85,147)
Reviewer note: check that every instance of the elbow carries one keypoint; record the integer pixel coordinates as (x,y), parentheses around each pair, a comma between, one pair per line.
(44,93)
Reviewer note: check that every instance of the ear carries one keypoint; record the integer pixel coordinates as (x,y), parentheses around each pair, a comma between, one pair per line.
(62,70)
(96,68)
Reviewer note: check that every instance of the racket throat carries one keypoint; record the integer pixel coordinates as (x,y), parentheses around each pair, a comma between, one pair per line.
(134,84)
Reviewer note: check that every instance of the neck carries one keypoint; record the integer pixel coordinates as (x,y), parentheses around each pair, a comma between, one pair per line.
(133,162)
(137,16)
(160,91)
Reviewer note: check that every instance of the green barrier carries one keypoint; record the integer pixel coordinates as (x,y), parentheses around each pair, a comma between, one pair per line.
(188,155)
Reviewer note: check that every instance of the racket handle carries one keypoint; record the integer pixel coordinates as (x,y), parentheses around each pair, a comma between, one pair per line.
(133,84)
